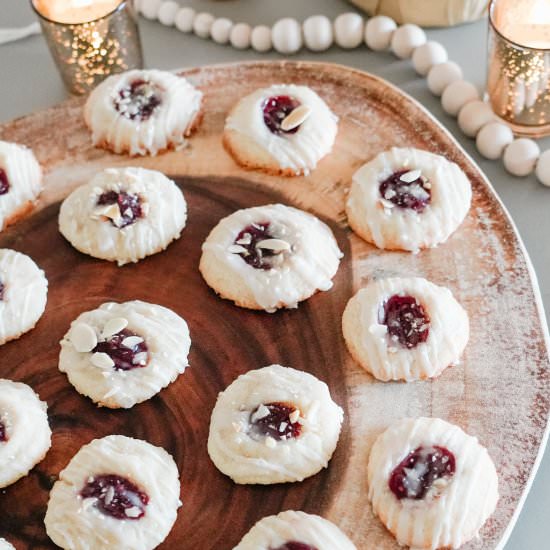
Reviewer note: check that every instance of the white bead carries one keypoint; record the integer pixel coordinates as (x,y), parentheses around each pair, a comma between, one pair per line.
(493,138)
(318,35)
(456,95)
(167,12)
(184,19)
(240,36)
(405,39)
(287,35)
(349,30)
(520,157)
(473,116)
(379,31)
(427,56)
(150,8)
(440,76)
(202,24)
(261,38)
(543,168)
(221,29)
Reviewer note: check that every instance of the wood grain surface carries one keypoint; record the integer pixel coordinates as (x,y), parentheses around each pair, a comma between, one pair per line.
(500,392)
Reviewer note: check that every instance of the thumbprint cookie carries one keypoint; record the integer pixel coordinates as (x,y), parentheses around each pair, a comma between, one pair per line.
(122,354)
(405,328)
(5,545)
(408,199)
(269,257)
(142,112)
(274,425)
(284,129)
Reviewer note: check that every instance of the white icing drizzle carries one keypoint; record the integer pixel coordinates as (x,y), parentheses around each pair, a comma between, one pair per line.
(389,226)
(300,151)
(459,510)
(163,205)
(27,430)
(25,294)
(166,127)
(274,531)
(76,524)
(371,345)
(249,458)
(309,266)
(24,178)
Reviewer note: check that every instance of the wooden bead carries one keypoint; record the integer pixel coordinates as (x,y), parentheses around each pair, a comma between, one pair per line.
(184,19)
(440,76)
(167,12)
(349,30)
(520,157)
(318,35)
(240,36)
(287,36)
(221,29)
(543,168)
(202,24)
(150,8)
(406,39)
(456,95)
(260,38)
(427,56)
(473,116)
(379,31)
(493,138)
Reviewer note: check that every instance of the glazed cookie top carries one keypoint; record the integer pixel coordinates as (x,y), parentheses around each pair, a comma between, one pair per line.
(272,425)
(20,179)
(295,531)
(280,254)
(116,492)
(142,111)
(434,484)
(123,354)
(24,430)
(123,214)
(408,199)
(5,545)
(23,294)
(291,122)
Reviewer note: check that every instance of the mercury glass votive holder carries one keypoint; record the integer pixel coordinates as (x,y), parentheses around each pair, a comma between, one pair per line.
(86,53)
(518,82)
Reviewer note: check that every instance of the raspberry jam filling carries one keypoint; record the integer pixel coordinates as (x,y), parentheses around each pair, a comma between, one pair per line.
(253,253)
(126,354)
(4,183)
(139,100)
(3,435)
(294,545)
(2,289)
(415,194)
(116,496)
(407,321)
(276,109)
(128,205)
(417,473)
(276,420)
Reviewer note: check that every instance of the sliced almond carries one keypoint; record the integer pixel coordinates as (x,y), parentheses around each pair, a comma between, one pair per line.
(261,412)
(293,416)
(245,239)
(102,361)
(83,337)
(109,495)
(140,358)
(132,341)
(410,176)
(114,326)
(295,118)
(277,245)
(237,249)
(133,512)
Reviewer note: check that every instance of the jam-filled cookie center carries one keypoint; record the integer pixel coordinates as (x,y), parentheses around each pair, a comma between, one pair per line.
(139,100)
(277,420)
(259,247)
(420,470)
(276,109)
(3,432)
(2,290)
(116,496)
(129,207)
(407,321)
(295,545)
(4,183)
(127,350)
(407,189)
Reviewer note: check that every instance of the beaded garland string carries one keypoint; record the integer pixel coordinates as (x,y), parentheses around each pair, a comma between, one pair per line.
(459,98)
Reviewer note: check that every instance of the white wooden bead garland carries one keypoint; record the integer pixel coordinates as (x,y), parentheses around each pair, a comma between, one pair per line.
(459,98)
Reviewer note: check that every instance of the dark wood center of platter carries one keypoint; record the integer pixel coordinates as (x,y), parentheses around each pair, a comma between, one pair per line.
(226,342)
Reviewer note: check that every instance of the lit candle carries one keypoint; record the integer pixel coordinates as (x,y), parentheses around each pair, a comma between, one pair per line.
(526,23)
(75,11)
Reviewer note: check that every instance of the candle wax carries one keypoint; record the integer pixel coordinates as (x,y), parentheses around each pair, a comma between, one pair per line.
(525,22)
(75,11)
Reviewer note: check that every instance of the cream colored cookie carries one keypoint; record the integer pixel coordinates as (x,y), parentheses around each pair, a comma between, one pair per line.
(274,425)
(115,493)
(432,485)
(20,181)
(405,328)
(122,354)
(269,257)
(284,129)
(142,112)
(23,294)
(25,434)
(123,215)
(277,532)
(408,199)
(5,545)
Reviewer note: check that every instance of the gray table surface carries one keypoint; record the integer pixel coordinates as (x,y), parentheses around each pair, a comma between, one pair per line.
(29,82)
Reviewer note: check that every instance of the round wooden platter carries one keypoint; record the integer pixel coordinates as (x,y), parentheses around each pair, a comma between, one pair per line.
(500,392)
